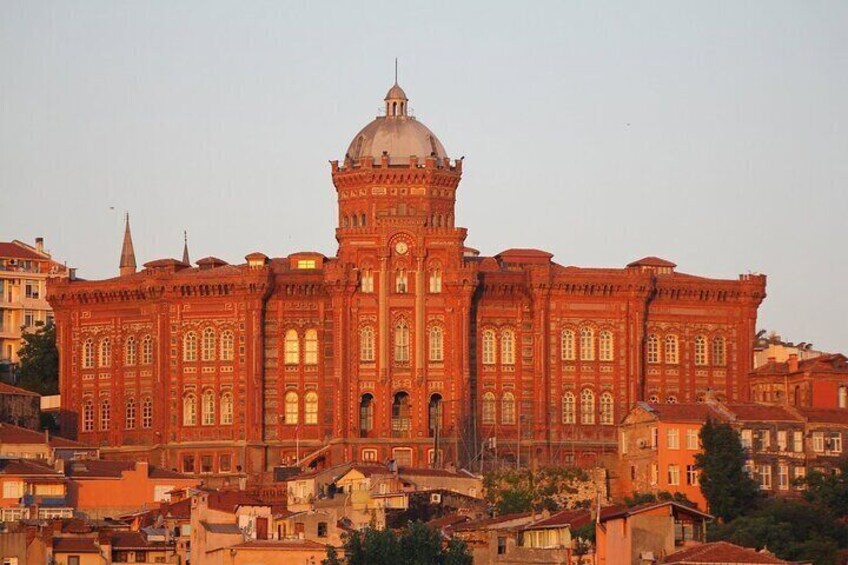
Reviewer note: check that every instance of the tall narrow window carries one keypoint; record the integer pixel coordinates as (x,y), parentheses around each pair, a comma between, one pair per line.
(366,344)
(435,281)
(366,283)
(401,282)
(190,410)
(437,338)
(88,354)
(227,408)
(434,415)
(88,416)
(366,414)
(508,408)
(105,414)
(567,345)
(605,345)
(700,350)
(208,348)
(310,407)
(401,415)
(292,348)
(291,408)
(401,342)
(147,350)
(227,345)
(489,347)
(587,406)
(130,351)
(488,408)
(653,349)
(208,408)
(670,349)
(147,413)
(719,351)
(587,344)
(508,347)
(569,408)
(129,414)
(105,352)
(190,347)
(607,409)
(310,347)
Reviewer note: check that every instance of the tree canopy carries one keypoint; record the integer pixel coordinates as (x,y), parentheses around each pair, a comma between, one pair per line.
(417,544)
(728,489)
(39,368)
(521,490)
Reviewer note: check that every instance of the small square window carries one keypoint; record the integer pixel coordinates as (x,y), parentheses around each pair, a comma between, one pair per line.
(225,463)
(188,463)
(205,463)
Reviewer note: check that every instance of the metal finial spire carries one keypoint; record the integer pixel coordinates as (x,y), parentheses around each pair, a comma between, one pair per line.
(395,70)
(185,248)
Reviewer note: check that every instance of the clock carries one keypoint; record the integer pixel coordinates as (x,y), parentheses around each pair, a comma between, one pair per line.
(401,247)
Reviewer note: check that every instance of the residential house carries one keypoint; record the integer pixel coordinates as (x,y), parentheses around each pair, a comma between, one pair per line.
(269,551)
(32,489)
(77,550)
(19,406)
(647,532)
(493,539)
(722,553)
(826,431)
(817,382)
(16,441)
(222,519)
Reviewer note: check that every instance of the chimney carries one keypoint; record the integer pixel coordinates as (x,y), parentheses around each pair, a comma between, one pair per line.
(39,244)
(793,362)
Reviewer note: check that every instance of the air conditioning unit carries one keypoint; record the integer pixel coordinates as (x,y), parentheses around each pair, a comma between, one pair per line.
(643,443)
(435,498)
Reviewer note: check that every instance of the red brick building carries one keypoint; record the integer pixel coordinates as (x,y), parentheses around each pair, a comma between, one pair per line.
(404,335)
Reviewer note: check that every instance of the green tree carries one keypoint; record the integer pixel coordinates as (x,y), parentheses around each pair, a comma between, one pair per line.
(728,489)
(417,544)
(39,368)
(521,490)
(829,490)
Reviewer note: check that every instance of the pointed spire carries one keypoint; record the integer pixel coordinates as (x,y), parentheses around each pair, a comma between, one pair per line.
(127,266)
(185,248)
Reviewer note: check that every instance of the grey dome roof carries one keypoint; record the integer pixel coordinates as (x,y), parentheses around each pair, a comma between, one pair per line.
(397,134)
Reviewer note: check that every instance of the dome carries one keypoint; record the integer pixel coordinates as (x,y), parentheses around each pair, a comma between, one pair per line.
(397,134)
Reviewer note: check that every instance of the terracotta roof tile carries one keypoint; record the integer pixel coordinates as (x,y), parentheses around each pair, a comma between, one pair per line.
(14,250)
(651,261)
(620,511)
(684,412)
(9,389)
(824,415)
(489,522)
(27,467)
(229,500)
(761,412)
(15,435)
(282,545)
(572,518)
(75,545)
(723,553)
(133,540)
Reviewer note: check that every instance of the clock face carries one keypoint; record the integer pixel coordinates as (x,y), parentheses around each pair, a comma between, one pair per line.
(401,247)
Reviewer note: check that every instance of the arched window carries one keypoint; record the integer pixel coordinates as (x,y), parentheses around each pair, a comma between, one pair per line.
(605,345)
(671,354)
(401,415)
(437,338)
(401,282)
(366,414)
(105,352)
(587,406)
(362,220)
(88,354)
(567,345)
(489,347)
(147,350)
(292,348)
(435,281)
(507,347)
(700,350)
(208,407)
(130,351)
(569,408)
(147,413)
(355,220)
(310,347)
(366,344)
(434,414)
(508,408)
(719,351)
(105,414)
(607,409)
(208,350)
(88,416)
(227,345)
(489,408)
(291,414)
(129,414)
(366,282)
(401,342)
(190,410)
(190,347)
(344,221)
(227,408)
(310,407)
(653,349)
(587,344)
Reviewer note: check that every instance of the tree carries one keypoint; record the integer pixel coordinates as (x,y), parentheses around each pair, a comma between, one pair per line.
(521,490)
(829,490)
(728,489)
(39,368)
(417,544)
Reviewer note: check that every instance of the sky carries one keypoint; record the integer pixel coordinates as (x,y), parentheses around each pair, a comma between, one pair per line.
(713,134)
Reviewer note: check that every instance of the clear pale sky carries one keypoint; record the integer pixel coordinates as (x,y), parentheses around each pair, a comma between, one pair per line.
(713,134)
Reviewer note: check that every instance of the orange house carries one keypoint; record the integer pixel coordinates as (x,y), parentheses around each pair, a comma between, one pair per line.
(108,488)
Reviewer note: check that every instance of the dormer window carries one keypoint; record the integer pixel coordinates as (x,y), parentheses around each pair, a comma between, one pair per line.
(306,263)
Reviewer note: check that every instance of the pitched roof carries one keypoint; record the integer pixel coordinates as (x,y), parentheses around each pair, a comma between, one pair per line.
(619,511)
(133,540)
(75,545)
(486,523)
(723,553)
(827,363)
(824,415)
(761,412)
(229,500)
(17,250)
(27,467)
(16,435)
(220,528)
(685,412)
(651,261)
(9,389)
(570,518)
(282,545)
(428,472)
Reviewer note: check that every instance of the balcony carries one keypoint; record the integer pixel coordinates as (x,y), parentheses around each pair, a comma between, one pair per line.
(46,501)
